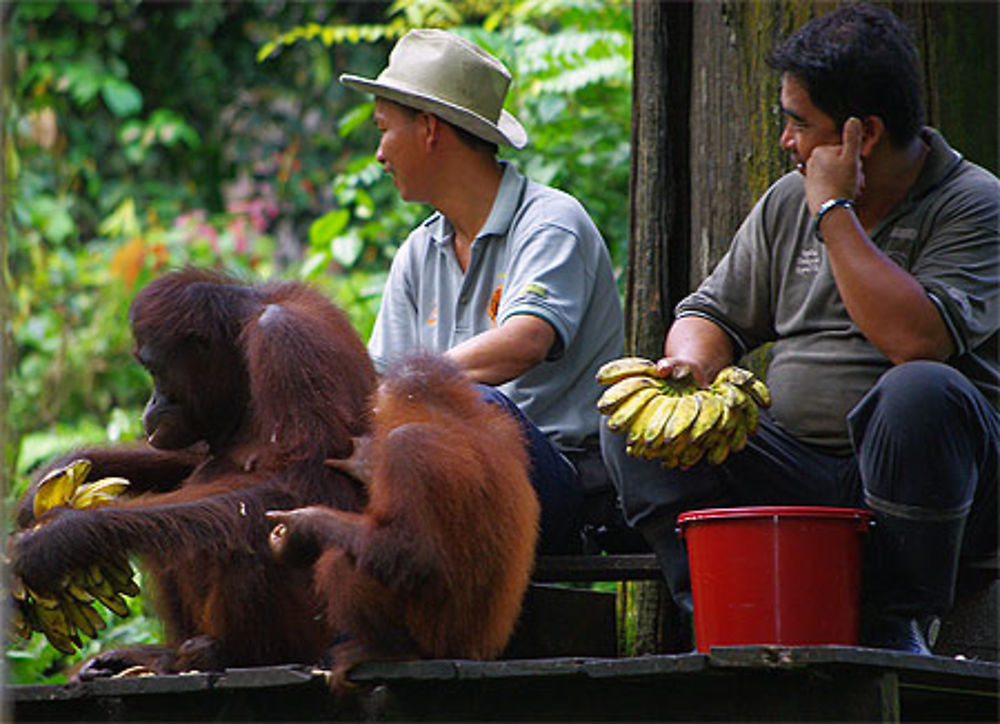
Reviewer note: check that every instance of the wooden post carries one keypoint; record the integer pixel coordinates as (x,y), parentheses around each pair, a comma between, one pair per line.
(657,273)
(658,245)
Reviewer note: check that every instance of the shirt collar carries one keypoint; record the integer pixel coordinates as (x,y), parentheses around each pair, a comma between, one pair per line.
(505,205)
(940,163)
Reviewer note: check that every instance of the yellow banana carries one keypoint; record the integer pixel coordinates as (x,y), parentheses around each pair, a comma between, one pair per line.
(630,409)
(673,450)
(758,390)
(622,390)
(746,381)
(95,577)
(691,455)
(719,451)
(636,449)
(638,426)
(732,396)
(710,408)
(683,415)
(53,620)
(751,418)
(94,617)
(619,369)
(64,615)
(58,485)
(17,589)
(727,418)
(662,407)
(100,492)
(80,594)
(19,621)
(734,375)
(60,641)
(120,580)
(738,438)
(113,601)
(43,600)
(75,615)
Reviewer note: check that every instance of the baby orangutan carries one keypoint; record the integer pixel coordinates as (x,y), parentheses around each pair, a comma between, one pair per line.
(437,564)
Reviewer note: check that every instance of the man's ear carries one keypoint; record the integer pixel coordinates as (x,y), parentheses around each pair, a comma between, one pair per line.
(430,125)
(872,132)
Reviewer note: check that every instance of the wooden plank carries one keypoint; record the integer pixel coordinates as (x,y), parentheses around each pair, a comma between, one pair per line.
(624,567)
(763,683)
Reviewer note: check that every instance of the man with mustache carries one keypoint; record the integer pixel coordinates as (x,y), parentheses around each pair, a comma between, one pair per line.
(873,269)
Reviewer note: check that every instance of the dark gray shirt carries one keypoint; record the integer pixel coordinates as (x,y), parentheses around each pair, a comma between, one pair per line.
(775,284)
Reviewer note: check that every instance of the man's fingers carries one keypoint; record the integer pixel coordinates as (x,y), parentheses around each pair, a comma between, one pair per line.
(853,131)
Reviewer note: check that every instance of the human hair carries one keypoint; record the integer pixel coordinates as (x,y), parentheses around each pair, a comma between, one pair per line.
(859,60)
(473,141)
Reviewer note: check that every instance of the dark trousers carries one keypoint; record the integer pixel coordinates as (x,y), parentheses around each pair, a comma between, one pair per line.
(925,445)
(554,479)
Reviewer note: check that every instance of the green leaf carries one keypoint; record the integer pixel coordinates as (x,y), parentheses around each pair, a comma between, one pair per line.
(346,250)
(122,98)
(84,10)
(314,262)
(130,132)
(36,10)
(51,216)
(81,80)
(354,118)
(122,222)
(326,227)
(266,49)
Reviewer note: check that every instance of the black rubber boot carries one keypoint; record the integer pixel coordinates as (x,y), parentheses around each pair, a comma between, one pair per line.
(677,623)
(911,576)
(913,634)
(672,557)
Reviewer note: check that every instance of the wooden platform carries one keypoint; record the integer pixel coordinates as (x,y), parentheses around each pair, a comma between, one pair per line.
(732,684)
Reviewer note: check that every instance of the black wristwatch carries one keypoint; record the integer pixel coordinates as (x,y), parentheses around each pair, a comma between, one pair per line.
(823,209)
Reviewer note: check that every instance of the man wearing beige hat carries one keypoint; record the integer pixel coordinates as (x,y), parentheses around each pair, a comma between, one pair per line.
(509,277)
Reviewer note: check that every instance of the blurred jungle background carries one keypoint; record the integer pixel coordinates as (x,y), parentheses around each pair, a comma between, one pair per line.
(142,136)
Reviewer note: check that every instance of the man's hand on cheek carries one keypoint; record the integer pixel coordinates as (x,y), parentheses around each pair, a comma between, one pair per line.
(834,172)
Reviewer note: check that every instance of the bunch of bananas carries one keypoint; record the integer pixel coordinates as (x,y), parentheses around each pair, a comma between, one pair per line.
(675,420)
(64,615)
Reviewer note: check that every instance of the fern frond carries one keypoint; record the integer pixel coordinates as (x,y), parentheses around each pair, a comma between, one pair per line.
(609,71)
(330,35)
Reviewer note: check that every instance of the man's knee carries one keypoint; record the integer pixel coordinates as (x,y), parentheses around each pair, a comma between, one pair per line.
(920,387)
(913,401)
(647,491)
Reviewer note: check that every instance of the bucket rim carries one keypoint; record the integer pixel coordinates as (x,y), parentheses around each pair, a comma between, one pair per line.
(770,511)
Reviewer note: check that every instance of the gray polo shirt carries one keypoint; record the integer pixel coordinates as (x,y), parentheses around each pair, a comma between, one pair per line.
(538,253)
(775,284)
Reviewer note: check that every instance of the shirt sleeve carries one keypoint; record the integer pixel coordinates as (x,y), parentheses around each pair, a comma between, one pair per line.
(738,294)
(959,265)
(547,277)
(395,329)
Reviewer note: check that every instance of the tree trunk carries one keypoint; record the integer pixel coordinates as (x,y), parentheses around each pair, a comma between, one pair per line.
(656,276)
(957,42)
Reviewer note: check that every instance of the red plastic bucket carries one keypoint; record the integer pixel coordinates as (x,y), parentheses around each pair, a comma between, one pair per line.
(775,575)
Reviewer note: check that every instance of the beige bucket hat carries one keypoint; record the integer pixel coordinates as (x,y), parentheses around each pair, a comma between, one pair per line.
(456,80)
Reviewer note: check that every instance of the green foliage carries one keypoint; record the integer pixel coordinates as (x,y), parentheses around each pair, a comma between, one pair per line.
(142,136)
(571,63)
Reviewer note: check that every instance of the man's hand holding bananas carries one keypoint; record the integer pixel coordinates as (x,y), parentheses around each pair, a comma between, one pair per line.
(64,614)
(675,420)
